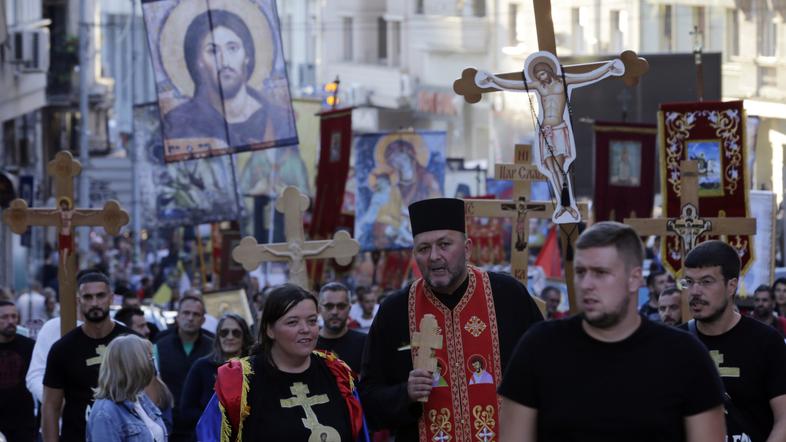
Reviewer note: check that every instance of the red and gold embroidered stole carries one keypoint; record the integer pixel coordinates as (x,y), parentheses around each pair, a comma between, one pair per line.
(463,405)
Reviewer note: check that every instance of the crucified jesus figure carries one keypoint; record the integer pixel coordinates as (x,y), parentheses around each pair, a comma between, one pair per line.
(65,237)
(544,76)
(296,256)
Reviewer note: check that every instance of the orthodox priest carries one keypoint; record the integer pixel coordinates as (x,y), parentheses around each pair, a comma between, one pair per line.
(481,316)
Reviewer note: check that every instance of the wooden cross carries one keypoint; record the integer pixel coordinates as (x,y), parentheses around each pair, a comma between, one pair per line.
(296,250)
(63,169)
(689,226)
(428,339)
(521,209)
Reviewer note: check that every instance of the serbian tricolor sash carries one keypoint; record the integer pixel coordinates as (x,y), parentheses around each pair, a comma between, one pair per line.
(463,404)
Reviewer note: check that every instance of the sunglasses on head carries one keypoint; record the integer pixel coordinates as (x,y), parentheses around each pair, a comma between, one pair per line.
(235,332)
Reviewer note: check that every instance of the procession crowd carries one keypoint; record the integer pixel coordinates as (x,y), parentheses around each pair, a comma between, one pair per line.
(345,363)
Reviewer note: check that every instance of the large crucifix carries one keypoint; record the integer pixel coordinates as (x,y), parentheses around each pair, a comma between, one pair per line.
(689,227)
(296,250)
(552,83)
(63,169)
(521,209)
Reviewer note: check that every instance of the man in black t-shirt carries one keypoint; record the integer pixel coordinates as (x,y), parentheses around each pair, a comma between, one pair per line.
(580,378)
(750,356)
(73,362)
(17,421)
(335,336)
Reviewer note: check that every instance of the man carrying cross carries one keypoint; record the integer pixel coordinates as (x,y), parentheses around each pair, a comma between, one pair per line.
(480,317)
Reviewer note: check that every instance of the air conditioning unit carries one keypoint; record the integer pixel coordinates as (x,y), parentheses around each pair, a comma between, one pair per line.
(30,50)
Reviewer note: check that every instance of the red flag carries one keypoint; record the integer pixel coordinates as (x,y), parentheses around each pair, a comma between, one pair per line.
(549,257)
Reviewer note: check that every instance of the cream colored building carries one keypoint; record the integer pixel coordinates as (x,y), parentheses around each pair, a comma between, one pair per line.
(23,67)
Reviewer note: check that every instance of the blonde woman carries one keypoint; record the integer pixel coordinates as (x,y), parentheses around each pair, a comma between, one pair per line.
(122,411)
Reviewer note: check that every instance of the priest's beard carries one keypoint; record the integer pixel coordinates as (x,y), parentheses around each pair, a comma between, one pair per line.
(609,319)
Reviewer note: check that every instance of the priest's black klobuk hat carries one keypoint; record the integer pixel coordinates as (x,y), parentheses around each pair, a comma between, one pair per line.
(437,214)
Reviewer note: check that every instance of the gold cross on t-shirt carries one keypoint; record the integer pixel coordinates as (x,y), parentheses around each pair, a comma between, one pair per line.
(96,360)
(725,372)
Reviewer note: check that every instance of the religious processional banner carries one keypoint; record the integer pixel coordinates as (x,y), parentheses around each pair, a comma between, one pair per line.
(489,236)
(394,170)
(332,171)
(762,271)
(624,170)
(713,134)
(184,193)
(220,75)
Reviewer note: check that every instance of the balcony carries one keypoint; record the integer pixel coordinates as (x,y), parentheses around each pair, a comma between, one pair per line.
(450,34)
(370,84)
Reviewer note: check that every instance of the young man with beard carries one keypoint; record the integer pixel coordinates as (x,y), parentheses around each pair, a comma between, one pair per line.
(764,309)
(670,306)
(657,281)
(750,356)
(481,316)
(335,335)
(581,378)
(17,421)
(73,362)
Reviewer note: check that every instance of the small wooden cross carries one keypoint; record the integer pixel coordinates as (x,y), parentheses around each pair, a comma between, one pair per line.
(296,250)
(428,339)
(63,169)
(520,210)
(689,226)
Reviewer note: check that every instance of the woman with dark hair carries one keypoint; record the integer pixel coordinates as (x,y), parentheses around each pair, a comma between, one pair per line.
(233,340)
(285,390)
(779,289)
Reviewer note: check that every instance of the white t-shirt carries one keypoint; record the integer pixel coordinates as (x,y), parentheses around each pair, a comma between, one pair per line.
(155,430)
(47,336)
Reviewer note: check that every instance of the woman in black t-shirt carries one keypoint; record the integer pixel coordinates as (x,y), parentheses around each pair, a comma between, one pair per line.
(286,390)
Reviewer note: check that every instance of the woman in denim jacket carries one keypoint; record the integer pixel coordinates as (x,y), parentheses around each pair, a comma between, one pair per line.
(122,411)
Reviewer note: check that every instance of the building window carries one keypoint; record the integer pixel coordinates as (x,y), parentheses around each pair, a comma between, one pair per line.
(346,26)
(382,40)
(395,43)
(733,32)
(419,6)
(665,13)
(513,23)
(768,35)
(579,19)
(618,28)
(479,8)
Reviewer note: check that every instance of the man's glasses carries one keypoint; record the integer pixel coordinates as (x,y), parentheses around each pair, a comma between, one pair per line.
(225,332)
(330,306)
(686,283)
